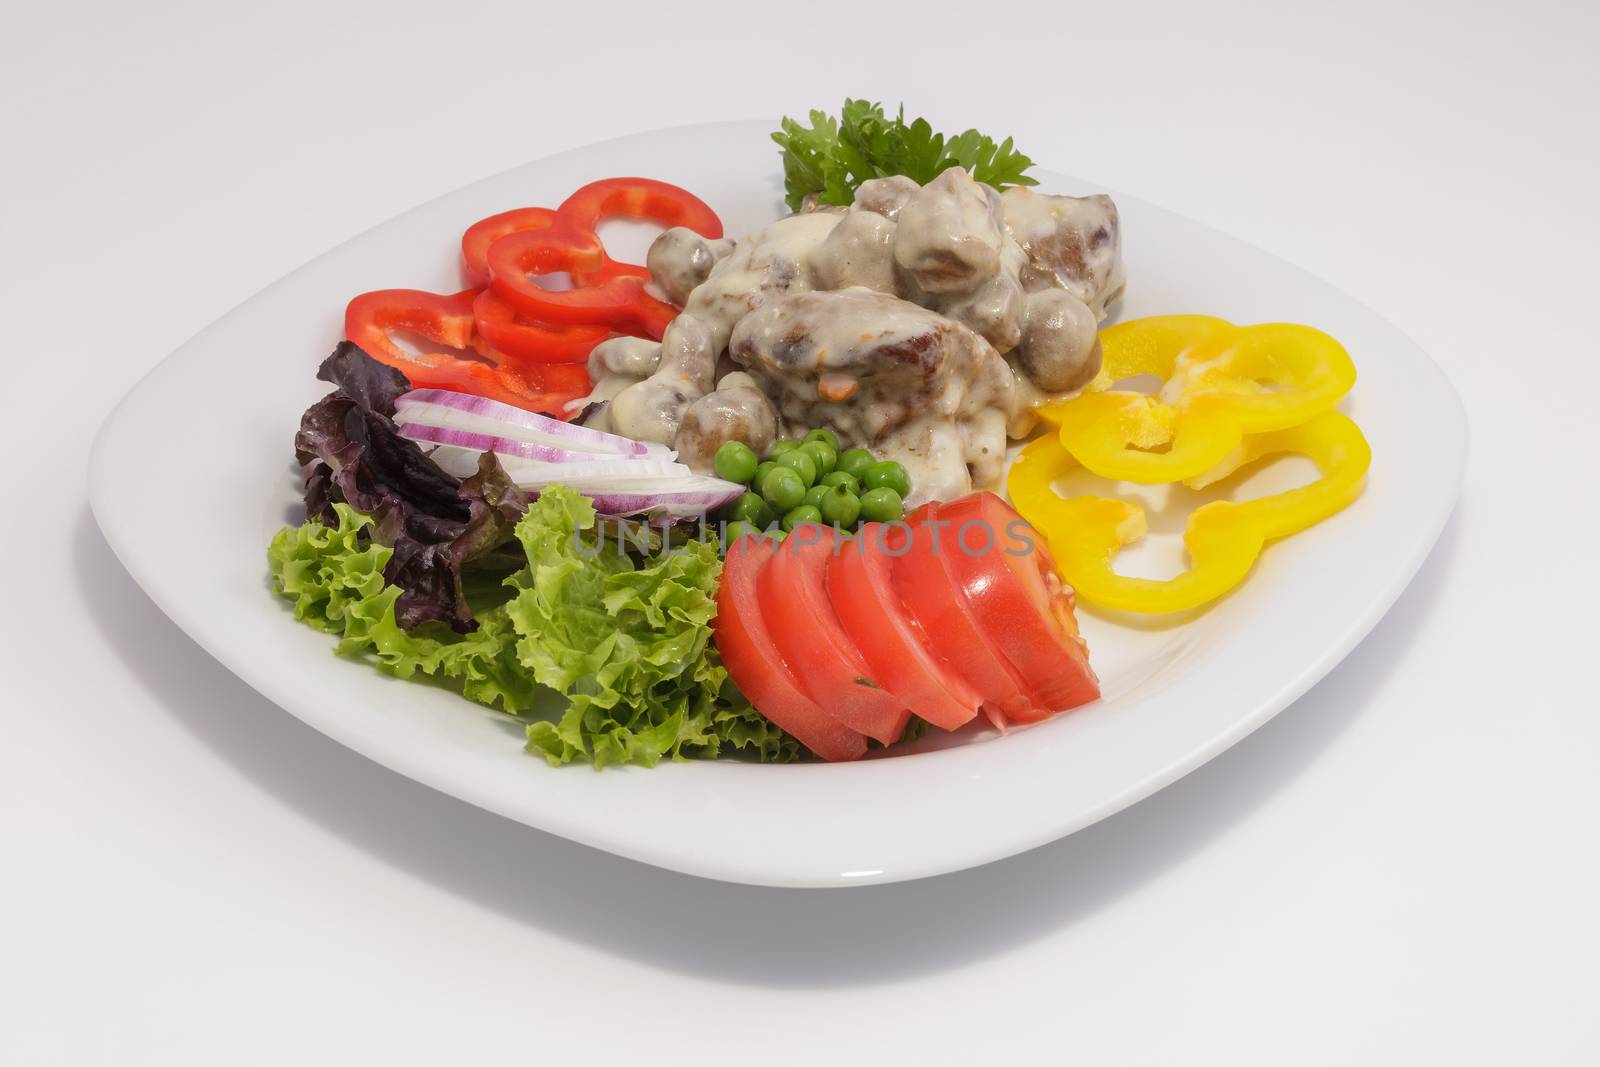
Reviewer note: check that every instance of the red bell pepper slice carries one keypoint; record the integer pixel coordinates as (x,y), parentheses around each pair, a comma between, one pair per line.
(638,198)
(522,340)
(448,322)
(609,293)
(485,232)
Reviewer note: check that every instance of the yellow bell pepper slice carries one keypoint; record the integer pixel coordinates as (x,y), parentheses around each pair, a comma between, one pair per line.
(1224,538)
(1220,382)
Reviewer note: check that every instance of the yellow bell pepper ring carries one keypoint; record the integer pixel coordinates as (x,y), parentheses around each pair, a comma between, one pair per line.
(1224,538)
(1220,382)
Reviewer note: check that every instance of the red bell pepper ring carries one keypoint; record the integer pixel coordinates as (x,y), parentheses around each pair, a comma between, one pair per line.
(524,341)
(485,232)
(448,322)
(638,198)
(570,380)
(608,293)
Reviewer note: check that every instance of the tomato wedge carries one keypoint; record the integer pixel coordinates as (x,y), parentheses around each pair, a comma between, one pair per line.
(756,666)
(931,593)
(1009,582)
(807,634)
(861,591)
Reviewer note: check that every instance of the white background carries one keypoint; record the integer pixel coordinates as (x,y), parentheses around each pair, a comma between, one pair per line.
(1402,868)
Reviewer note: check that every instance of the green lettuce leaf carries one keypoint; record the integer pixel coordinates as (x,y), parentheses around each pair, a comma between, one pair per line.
(626,640)
(629,642)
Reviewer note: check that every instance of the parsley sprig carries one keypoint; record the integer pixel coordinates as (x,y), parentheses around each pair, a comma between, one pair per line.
(833,156)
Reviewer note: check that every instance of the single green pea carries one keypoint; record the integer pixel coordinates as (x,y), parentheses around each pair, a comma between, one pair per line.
(762,469)
(887,475)
(750,508)
(803,513)
(853,461)
(840,507)
(843,480)
(824,455)
(815,494)
(881,505)
(783,488)
(737,530)
(788,444)
(826,436)
(802,464)
(735,461)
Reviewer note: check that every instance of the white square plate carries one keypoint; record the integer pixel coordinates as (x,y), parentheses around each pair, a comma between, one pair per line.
(226,405)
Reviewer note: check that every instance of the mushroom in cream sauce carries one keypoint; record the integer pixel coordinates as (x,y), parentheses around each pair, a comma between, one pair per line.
(859,251)
(885,196)
(1071,242)
(925,322)
(736,410)
(879,371)
(1060,349)
(680,259)
(652,409)
(950,233)
(770,261)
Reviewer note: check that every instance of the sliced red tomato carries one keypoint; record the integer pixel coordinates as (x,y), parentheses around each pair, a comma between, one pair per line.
(861,591)
(800,617)
(931,593)
(1000,565)
(757,668)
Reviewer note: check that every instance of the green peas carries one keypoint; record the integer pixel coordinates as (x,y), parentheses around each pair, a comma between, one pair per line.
(853,461)
(840,507)
(737,530)
(803,513)
(750,508)
(844,480)
(780,447)
(824,455)
(826,436)
(761,473)
(735,462)
(887,475)
(802,464)
(815,494)
(783,488)
(881,505)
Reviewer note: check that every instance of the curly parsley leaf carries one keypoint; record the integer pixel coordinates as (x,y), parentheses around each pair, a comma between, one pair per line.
(832,156)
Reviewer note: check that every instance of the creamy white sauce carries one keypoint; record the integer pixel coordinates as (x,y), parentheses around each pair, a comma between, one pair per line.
(926,290)
(768,261)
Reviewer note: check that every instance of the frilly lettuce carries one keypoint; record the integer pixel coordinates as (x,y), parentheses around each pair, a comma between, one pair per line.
(625,640)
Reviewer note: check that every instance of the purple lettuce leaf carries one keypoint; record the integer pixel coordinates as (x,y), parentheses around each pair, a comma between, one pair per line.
(435,523)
